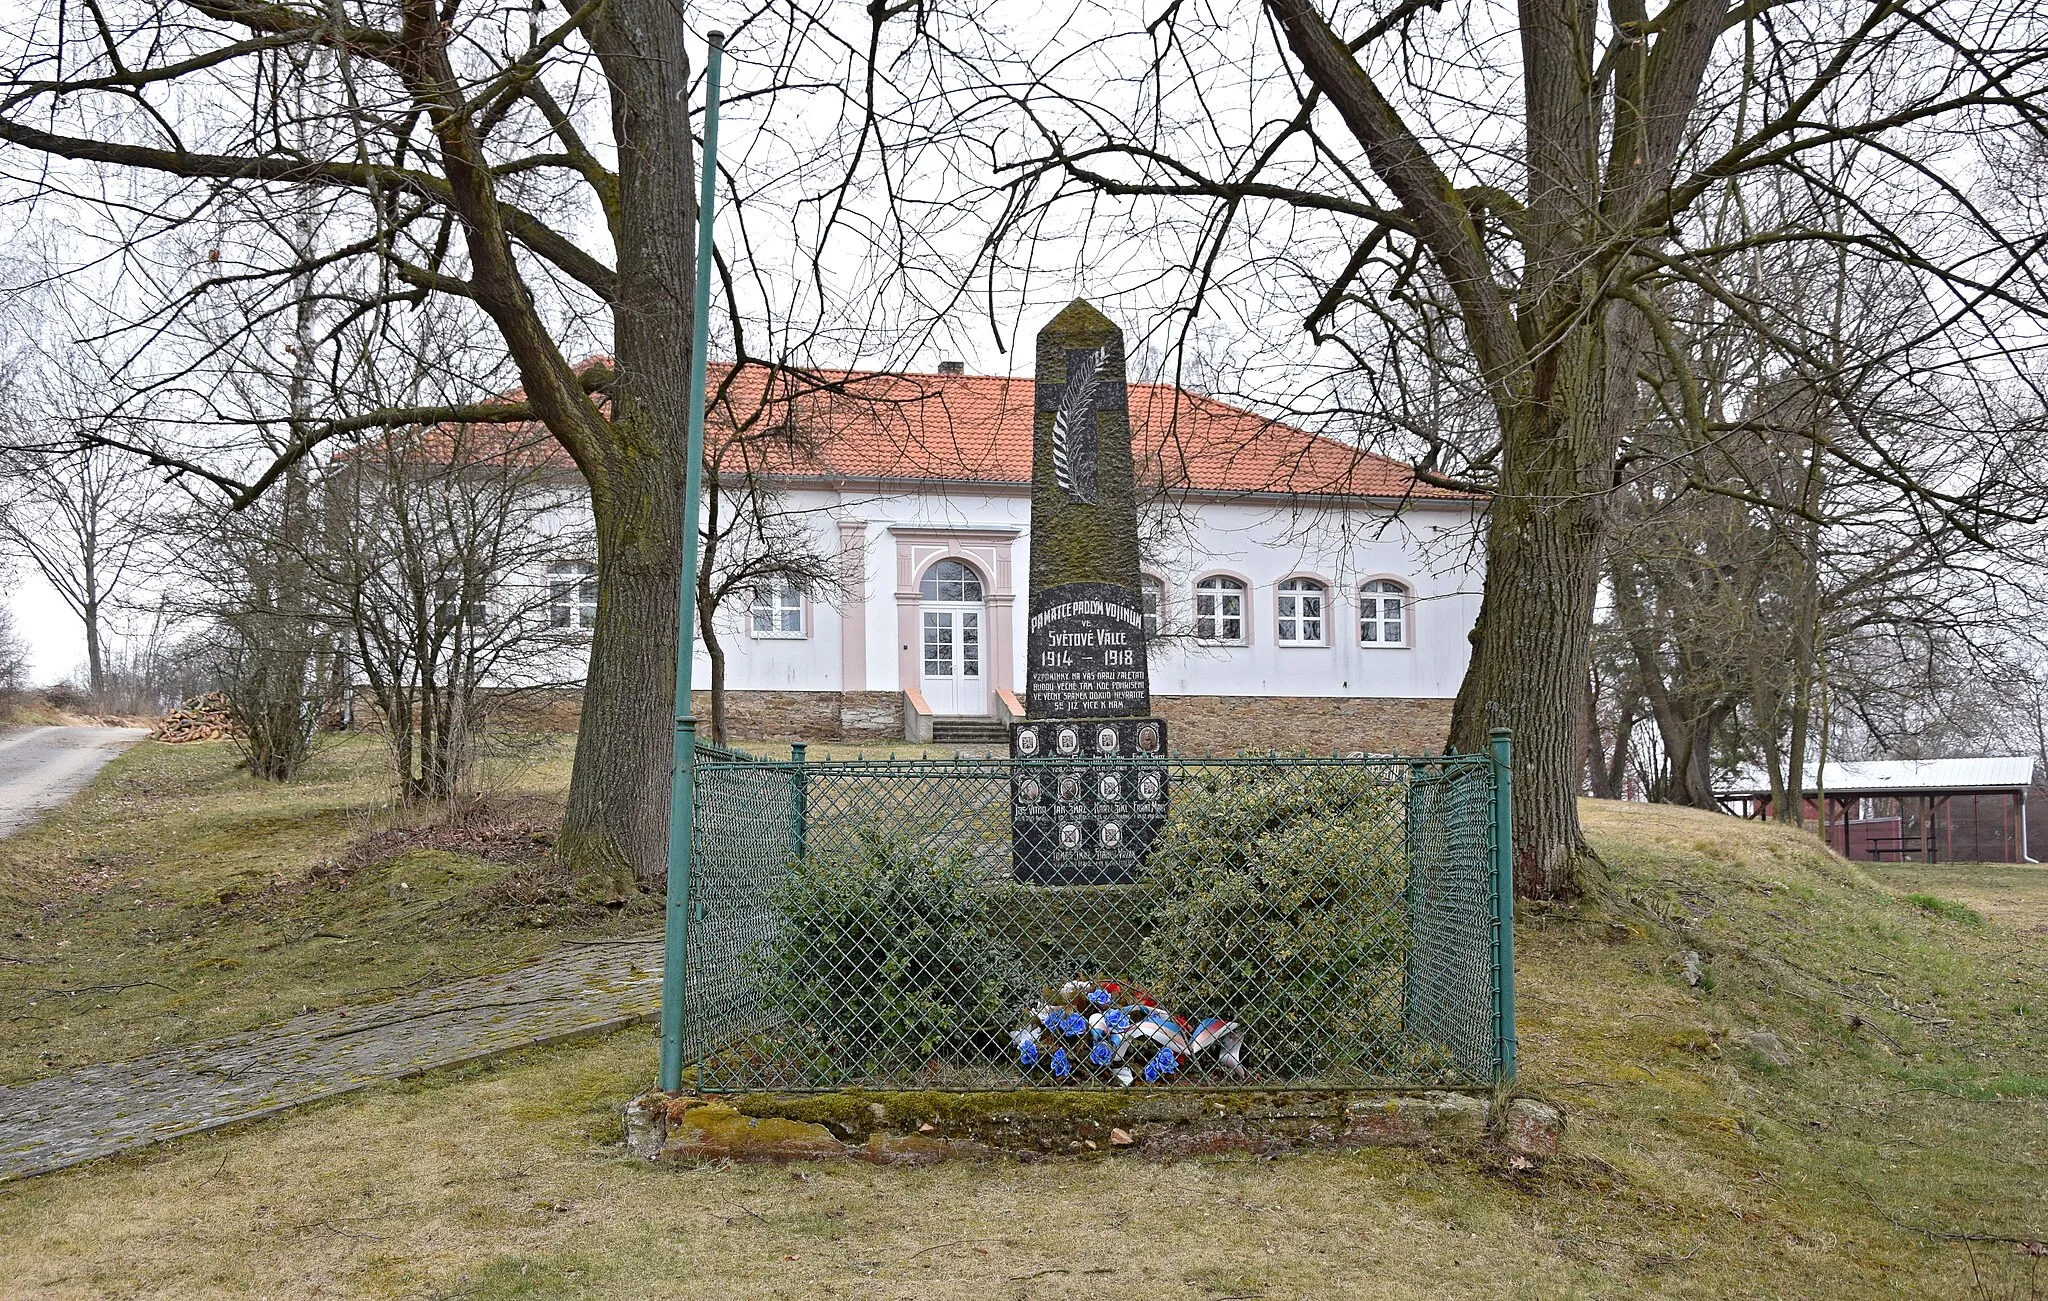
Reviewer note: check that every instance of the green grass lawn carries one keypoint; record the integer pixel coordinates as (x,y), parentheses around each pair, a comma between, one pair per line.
(1884,1144)
(2013,893)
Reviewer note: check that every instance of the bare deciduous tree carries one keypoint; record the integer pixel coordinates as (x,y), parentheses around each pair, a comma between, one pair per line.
(432,563)
(13,655)
(446,145)
(86,521)
(1475,215)
(755,543)
(1750,571)
(532,171)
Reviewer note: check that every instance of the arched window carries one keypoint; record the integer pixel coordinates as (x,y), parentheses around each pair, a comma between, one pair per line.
(1152,598)
(1383,613)
(949,580)
(1219,610)
(1301,612)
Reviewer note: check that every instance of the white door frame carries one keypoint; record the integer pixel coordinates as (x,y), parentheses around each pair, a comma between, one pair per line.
(961,693)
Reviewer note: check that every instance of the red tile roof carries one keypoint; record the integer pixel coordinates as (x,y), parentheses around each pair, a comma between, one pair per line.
(871,425)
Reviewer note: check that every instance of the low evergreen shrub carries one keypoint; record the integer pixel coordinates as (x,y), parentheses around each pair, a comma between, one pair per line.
(1277,902)
(885,955)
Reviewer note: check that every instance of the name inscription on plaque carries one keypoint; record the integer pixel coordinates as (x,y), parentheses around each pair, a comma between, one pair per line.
(1086,648)
(1087,810)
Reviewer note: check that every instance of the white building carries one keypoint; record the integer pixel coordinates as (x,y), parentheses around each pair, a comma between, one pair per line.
(1310,596)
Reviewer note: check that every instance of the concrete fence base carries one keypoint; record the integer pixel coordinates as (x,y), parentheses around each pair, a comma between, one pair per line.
(917,1128)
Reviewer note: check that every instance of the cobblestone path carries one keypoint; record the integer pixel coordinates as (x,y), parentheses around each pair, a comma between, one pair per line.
(60,1120)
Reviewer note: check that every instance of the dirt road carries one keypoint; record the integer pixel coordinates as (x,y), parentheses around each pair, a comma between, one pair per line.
(41,767)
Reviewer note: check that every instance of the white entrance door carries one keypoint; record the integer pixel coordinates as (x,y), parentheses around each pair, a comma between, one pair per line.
(953,619)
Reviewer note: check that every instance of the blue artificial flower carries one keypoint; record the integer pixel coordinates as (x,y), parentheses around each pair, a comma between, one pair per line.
(1166,1061)
(1100,1054)
(1060,1066)
(1099,997)
(1117,1019)
(1027,1053)
(1152,1071)
(1073,1023)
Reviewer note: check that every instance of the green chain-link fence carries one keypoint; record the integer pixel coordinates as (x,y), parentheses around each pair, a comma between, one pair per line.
(1308,923)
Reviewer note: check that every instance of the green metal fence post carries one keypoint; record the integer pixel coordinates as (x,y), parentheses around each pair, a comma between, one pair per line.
(799,800)
(682,798)
(1412,896)
(1504,900)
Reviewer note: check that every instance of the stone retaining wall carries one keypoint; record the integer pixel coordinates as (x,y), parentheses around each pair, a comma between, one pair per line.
(1317,724)
(754,716)
(1201,724)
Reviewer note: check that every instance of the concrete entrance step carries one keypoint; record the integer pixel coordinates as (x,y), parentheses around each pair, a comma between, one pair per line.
(969,731)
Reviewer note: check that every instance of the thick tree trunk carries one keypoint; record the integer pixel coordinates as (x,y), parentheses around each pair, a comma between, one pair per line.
(1692,769)
(614,829)
(1556,375)
(1685,713)
(1531,652)
(1529,658)
(615,832)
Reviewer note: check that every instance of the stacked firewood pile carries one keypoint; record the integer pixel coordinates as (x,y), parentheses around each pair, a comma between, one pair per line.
(202,718)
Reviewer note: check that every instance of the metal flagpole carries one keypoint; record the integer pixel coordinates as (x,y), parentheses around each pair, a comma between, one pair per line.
(1504,900)
(682,792)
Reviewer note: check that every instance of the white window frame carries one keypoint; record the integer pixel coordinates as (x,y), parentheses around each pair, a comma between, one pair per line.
(928,584)
(475,615)
(568,607)
(1209,624)
(1289,609)
(1372,596)
(1155,618)
(783,597)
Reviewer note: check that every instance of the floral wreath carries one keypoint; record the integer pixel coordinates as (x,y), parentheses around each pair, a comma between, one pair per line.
(1104,1030)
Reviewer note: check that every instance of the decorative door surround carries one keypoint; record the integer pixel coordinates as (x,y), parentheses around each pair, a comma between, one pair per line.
(989,551)
(853,609)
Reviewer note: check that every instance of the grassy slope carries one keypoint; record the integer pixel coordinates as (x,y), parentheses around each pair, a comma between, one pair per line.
(1694,1166)
(2013,893)
(174,897)
(20,709)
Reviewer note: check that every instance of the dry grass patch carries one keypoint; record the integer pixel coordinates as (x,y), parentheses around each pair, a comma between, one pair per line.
(1697,1162)
(2013,893)
(1852,1100)
(177,898)
(508,1182)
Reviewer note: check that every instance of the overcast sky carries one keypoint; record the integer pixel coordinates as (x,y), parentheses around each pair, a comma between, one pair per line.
(56,640)
(1132,258)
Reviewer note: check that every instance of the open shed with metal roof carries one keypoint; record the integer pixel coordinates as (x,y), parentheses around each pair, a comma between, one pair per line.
(1970,810)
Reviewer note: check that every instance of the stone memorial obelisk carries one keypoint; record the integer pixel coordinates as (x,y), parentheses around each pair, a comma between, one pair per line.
(1087,810)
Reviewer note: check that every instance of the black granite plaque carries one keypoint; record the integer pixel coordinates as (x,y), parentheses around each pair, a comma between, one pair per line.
(1086,653)
(1086,807)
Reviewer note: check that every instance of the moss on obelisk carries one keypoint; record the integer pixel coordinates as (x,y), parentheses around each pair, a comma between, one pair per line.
(1073,539)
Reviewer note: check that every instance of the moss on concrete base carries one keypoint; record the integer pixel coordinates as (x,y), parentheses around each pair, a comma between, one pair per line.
(912,1127)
